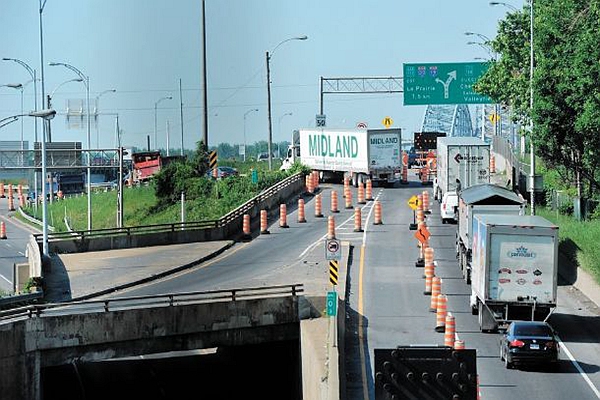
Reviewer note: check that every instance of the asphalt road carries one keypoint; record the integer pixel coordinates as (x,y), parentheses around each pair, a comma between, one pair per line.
(385,299)
(12,249)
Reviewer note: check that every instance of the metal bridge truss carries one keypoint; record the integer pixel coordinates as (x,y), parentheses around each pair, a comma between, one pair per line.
(360,85)
(58,159)
(454,120)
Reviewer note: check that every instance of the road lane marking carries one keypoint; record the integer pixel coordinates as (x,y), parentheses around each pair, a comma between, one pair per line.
(5,278)
(361,341)
(579,369)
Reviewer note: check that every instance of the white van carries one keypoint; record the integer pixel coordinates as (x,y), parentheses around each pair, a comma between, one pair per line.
(449,207)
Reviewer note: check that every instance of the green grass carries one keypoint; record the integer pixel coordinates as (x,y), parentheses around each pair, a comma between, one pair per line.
(585,235)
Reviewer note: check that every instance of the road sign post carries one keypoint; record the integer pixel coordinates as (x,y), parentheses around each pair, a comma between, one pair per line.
(413,203)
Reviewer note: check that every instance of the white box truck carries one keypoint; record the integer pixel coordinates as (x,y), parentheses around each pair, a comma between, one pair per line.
(460,159)
(359,153)
(485,198)
(514,269)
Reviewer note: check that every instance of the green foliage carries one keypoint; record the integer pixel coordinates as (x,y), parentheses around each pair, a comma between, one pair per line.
(566,113)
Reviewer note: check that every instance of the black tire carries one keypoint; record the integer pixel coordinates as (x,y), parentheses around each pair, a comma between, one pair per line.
(507,364)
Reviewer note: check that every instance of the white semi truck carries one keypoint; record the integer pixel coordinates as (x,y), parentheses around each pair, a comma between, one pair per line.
(461,162)
(514,269)
(361,154)
(485,198)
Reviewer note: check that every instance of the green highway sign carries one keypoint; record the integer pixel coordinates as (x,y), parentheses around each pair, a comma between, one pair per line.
(443,83)
(332,303)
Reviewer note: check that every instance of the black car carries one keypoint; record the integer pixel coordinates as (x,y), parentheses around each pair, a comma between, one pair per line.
(529,342)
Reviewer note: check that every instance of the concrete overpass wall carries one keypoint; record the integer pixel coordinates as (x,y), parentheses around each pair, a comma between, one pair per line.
(32,343)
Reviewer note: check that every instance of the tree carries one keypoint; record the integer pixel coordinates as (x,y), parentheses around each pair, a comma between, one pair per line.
(566,113)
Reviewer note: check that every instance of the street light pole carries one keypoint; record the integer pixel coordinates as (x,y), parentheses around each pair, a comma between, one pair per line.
(96,114)
(155,109)
(531,148)
(32,73)
(268,58)
(246,113)
(86,81)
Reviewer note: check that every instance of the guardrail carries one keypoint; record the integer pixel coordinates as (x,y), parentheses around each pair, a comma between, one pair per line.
(161,300)
(232,216)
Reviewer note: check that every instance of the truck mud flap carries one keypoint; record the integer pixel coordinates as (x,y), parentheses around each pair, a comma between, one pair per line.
(487,322)
(425,373)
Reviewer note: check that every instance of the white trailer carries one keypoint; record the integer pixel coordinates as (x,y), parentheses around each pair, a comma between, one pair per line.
(461,162)
(485,198)
(514,269)
(359,153)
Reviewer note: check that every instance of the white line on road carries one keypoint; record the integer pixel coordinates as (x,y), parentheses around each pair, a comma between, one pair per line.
(5,278)
(579,369)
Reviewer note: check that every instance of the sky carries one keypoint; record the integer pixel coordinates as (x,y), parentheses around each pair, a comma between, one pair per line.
(143,48)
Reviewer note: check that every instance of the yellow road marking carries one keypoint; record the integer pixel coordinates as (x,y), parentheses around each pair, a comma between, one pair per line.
(361,344)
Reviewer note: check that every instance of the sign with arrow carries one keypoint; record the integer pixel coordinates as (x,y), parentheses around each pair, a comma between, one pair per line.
(443,83)
(413,202)
(422,234)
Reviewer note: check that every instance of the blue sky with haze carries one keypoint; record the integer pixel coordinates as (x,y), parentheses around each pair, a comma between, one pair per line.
(142,48)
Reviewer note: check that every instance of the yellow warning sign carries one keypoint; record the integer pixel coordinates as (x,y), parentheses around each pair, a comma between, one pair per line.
(387,122)
(413,202)
(494,118)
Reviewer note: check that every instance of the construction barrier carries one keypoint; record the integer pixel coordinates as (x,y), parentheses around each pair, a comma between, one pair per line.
(348,198)
(20,189)
(436,289)
(246,227)
(11,202)
(377,220)
(420,216)
(264,223)
(2,230)
(21,200)
(346,185)
(309,184)
(301,215)
(2,194)
(440,317)
(334,202)
(424,175)
(369,190)
(315,176)
(404,180)
(318,206)
(10,190)
(357,220)
(361,194)
(425,196)
(283,216)
(459,344)
(450,330)
(331,227)
(492,164)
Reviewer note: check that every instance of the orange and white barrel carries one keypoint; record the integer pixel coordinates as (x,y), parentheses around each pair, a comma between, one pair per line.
(21,200)
(425,201)
(20,189)
(318,206)
(424,175)
(10,190)
(357,220)
(449,330)
(492,164)
(377,220)
(331,227)
(309,184)
(369,190)
(246,226)
(420,216)
(348,198)
(315,177)
(346,185)
(334,202)
(459,344)
(2,194)
(301,215)
(11,203)
(361,194)
(404,174)
(264,230)
(2,230)
(436,289)
(441,312)
(283,216)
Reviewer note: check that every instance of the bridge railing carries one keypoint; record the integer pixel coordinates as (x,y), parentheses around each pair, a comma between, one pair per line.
(149,301)
(233,216)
